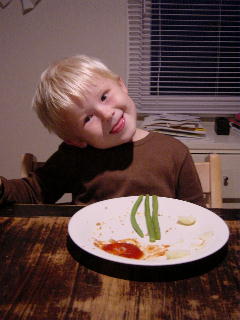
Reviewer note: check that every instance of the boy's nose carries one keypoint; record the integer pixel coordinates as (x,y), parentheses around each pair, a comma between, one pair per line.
(104,113)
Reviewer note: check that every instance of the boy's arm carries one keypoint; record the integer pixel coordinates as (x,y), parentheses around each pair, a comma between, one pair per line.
(46,185)
(189,186)
(20,191)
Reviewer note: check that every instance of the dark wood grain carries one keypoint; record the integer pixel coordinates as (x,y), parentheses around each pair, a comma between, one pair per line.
(44,276)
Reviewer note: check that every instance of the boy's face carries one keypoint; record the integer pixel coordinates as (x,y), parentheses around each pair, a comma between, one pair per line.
(105,118)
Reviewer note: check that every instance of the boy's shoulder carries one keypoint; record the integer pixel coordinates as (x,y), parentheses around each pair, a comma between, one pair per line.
(63,153)
(164,140)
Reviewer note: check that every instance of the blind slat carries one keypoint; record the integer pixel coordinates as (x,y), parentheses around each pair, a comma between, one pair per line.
(186,51)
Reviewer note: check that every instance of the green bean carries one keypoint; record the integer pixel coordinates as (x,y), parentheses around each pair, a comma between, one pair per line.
(149,221)
(133,216)
(155,217)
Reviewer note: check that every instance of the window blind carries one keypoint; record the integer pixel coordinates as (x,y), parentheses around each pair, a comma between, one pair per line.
(184,56)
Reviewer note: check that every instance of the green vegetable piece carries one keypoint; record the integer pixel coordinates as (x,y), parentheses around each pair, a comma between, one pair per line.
(155,217)
(133,216)
(149,221)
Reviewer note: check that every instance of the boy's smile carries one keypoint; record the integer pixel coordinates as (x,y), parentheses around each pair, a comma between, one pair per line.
(118,126)
(105,117)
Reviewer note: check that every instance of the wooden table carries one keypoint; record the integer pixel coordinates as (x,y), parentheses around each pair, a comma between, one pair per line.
(44,276)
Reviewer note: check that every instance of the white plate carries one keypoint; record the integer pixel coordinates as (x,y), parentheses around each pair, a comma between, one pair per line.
(110,219)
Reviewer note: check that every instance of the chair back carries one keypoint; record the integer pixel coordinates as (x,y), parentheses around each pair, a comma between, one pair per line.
(210,176)
(29,164)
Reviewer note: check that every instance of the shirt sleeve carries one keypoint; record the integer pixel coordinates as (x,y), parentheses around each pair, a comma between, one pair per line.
(46,185)
(189,186)
(26,190)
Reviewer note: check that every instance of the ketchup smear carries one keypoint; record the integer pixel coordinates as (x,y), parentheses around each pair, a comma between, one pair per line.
(123,249)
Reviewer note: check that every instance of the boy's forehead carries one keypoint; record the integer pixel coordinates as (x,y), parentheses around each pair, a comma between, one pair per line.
(92,89)
(98,85)
(101,81)
(95,87)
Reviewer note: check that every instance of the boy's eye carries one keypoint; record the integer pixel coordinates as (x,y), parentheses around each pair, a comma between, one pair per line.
(87,118)
(104,97)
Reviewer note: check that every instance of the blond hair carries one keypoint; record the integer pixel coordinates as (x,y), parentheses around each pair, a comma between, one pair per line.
(59,83)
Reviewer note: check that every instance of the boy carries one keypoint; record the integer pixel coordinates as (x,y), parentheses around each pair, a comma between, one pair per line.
(103,154)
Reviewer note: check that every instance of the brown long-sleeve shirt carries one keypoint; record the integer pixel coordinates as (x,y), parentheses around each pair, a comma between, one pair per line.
(157,164)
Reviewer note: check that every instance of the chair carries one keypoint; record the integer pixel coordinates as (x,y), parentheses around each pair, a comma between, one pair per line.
(209,173)
(211,180)
(29,163)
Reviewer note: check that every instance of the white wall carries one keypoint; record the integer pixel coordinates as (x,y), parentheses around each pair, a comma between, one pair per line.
(28,43)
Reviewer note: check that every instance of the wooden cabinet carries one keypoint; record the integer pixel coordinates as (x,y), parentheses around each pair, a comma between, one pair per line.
(229,149)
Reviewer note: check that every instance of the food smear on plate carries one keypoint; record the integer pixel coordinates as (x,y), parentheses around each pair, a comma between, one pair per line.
(176,254)
(202,240)
(124,249)
(131,248)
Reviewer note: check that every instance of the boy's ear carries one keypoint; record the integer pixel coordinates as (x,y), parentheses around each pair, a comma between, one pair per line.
(80,144)
(122,84)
